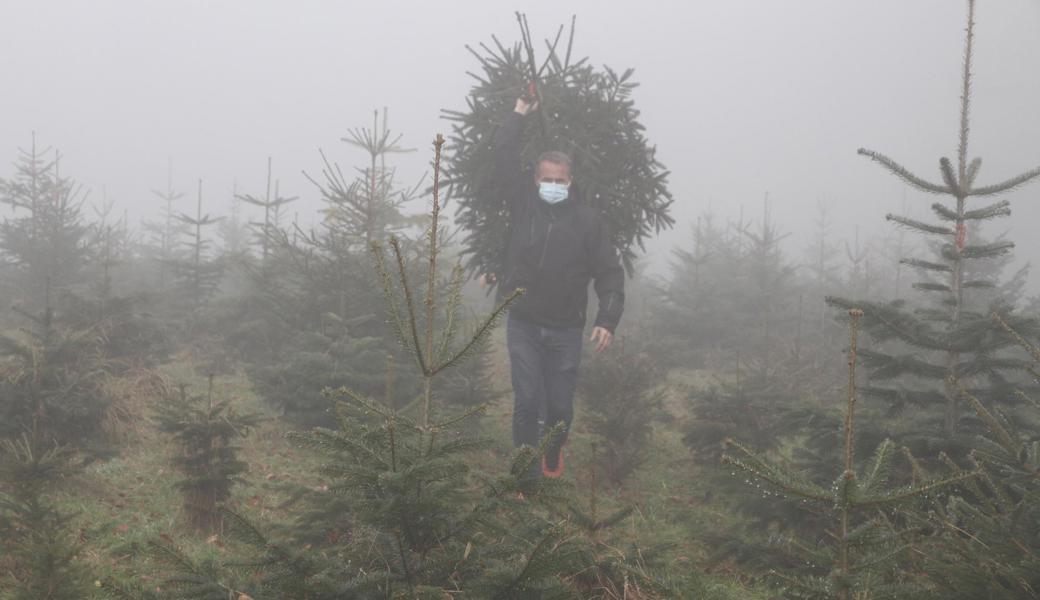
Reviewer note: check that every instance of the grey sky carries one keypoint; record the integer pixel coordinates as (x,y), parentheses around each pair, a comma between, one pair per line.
(740,96)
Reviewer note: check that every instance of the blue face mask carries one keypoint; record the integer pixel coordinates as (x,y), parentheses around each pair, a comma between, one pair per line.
(553,193)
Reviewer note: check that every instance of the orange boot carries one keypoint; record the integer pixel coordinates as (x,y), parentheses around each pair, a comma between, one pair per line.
(553,473)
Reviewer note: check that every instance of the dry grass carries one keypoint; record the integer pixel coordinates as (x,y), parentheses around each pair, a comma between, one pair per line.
(131,395)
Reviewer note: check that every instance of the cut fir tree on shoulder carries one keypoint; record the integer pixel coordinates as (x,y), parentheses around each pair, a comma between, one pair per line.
(586,112)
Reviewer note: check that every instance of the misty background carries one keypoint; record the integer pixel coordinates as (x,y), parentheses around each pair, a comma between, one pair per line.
(740,97)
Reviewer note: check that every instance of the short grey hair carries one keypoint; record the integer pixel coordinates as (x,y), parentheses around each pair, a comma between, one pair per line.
(556,157)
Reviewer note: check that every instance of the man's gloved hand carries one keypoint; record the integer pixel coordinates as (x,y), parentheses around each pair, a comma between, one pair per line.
(525,107)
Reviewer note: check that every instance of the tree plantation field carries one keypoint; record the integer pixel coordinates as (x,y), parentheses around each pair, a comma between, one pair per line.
(231,400)
(124,504)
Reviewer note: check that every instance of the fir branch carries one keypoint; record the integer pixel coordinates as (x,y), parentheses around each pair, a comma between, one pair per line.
(999,209)
(944,213)
(878,500)
(984,250)
(1033,350)
(479,409)
(761,468)
(928,286)
(904,174)
(1006,186)
(926,265)
(1004,437)
(919,225)
(888,366)
(917,470)
(979,284)
(880,468)
(327,442)
(481,333)
(413,324)
(537,555)
(901,397)
(452,310)
(390,297)
(946,168)
(972,172)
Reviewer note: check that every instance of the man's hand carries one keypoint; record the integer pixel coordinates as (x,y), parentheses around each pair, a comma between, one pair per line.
(602,337)
(524,107)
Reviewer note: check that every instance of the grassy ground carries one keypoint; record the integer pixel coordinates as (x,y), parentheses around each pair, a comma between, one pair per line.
(126,501)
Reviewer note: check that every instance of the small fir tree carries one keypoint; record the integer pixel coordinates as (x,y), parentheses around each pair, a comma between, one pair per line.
(864,552)
(308,320)
(272,213)
(952,337)
(733,297)
(51,380)
(234,232)
(991,542)
(199,273)
(37,547)
(204,431)
(46,238)
(165,232)
(368,207)
(622,397)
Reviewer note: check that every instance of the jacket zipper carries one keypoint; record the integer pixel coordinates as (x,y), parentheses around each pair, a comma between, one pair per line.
(545,246)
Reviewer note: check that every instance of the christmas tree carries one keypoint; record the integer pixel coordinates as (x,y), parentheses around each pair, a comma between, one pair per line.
(621,395)
(164,233)
(991,542)
(863,552)
(40,554)
(205,432)
(308,319)
(586,112)
(272,213)
(924,349)
(46,239)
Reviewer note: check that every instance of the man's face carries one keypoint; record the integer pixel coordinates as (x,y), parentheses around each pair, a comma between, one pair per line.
(550,172)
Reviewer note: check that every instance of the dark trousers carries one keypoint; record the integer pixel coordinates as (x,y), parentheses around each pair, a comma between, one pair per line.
(544,363)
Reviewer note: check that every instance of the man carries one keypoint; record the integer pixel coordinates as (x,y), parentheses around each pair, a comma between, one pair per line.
(556,245)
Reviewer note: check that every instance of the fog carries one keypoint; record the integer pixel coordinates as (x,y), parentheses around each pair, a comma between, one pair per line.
(741,97)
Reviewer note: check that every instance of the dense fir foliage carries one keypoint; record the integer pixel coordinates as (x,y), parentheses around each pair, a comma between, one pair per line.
(710,459)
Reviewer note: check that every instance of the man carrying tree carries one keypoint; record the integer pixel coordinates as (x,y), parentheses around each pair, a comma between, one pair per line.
(555,247)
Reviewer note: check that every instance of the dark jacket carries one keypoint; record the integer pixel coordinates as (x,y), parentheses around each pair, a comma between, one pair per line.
(553,251)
